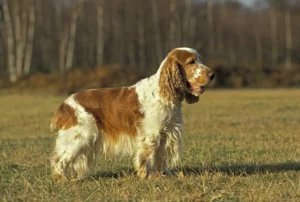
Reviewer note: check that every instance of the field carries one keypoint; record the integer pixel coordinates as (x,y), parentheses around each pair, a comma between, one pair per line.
(239,145)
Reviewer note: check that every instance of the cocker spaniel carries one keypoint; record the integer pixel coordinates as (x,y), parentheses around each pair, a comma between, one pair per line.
(143,120)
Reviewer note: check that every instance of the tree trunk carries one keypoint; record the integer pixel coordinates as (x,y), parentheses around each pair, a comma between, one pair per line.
(186,23)
(289,39)
(42,38)
(232,52)
(274,48)
(259,51)
(220,44)
(2,42)
(10,43)
(62,50)
(24,24)
(72,35)
(192,31)
(128,32)
(157,34)
(30,36)
(100,32)
(210,26)
(61,38)
(118,44)
(172,34)
(141,36)
(18,40)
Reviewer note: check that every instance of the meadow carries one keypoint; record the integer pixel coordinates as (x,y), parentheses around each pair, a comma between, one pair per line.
(239,145)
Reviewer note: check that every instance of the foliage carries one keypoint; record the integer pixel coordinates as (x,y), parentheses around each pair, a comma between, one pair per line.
(65,34)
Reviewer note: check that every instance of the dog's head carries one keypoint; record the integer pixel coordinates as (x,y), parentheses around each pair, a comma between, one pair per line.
(183,76)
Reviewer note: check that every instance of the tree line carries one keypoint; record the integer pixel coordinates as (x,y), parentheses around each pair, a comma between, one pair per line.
(60,35)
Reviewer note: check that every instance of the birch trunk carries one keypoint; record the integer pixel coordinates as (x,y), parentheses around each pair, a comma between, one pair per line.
(159,51)
(24,25)
(210,26)
(118,45)
(172,34)
(232,52)
(42,39)
(18,40)
(30,36)
(2,40)
(10,43)
(141,36)
(61,38)
(192,31)
(100,32)
(289,39)
(62,50)
(274,45)
(128,32)
(186,22)
(72,35)
(259,51)
(220,44)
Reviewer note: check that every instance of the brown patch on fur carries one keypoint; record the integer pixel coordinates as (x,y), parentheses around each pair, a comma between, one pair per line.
(182,56)
(171,84)
(174,74)
(178,70)
(116,110)
(63,118)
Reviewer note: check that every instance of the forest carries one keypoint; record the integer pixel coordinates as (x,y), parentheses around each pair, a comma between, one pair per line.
(253,45)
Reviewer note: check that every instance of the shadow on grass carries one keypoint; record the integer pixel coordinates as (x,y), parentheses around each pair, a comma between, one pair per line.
(112,174)
(234,170)
(244,170)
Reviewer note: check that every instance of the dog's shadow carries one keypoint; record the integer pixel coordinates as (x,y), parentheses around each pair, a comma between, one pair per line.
(244,169)
(113,174)
(233,170)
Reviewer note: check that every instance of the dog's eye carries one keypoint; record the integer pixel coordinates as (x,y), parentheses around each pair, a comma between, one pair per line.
(192,62)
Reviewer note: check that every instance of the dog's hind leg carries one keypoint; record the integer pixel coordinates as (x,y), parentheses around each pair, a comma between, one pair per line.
(74,154)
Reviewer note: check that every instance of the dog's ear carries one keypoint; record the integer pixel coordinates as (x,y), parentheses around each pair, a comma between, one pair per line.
(190,98)
(171,84)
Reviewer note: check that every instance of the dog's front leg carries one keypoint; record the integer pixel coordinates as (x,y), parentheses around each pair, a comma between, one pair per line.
(145,155)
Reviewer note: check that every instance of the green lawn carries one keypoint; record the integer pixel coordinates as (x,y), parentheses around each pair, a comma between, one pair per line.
(239,145)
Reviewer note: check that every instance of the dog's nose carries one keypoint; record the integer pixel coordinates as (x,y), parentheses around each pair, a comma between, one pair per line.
(212,76)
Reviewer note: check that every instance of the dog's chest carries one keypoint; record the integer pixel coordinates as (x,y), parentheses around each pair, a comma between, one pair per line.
(173,120)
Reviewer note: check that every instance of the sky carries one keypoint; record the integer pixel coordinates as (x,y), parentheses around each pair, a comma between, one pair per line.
(247,2)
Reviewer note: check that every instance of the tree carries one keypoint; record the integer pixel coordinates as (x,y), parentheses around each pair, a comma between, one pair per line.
(172,24)
(9,43)
(210,26)
(289,38)
(141,35)
(273,29)
(100,31)
(30,36)
(157,33)
(67,35)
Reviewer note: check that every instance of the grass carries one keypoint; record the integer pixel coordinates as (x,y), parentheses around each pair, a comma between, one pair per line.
(239,145)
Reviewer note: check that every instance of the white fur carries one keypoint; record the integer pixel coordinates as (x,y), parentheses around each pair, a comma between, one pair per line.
(156,146)
(76,146)
(161,131)
(193,52)
(197,73)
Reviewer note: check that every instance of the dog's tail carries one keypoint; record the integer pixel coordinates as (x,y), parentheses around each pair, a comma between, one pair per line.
(63,118)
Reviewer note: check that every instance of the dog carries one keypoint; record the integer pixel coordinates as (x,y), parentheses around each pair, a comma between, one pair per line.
(143,120)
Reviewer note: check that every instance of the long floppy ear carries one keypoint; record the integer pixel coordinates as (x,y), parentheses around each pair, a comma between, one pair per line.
(190,98)
(171,84)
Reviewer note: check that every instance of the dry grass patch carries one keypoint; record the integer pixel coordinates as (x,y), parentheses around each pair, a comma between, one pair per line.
(239,145)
